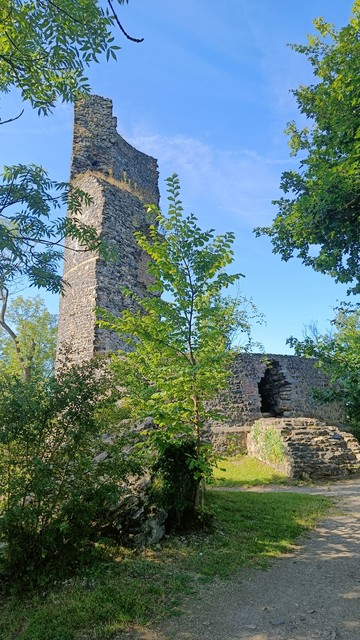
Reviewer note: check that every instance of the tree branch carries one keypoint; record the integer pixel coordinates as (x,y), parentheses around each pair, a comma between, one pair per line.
(61,10)
(120,25)
(12,119)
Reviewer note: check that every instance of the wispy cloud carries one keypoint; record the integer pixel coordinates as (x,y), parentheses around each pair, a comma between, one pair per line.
(237,184)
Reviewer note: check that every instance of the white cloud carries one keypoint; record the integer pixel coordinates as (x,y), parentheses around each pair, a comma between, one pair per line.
(238,184)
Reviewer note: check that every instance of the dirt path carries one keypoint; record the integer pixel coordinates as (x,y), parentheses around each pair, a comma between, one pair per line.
(312,593)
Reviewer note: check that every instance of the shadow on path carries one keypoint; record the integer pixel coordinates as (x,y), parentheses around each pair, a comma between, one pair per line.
(312,593)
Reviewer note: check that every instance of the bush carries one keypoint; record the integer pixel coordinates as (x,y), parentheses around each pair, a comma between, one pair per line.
(174,467)
(338,355)
(55,498)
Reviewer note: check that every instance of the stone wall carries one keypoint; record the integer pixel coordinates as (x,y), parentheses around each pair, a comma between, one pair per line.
(304,448)
(120,181)
(275,386)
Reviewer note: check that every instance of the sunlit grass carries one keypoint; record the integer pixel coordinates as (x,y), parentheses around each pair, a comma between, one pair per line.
(246,471)
(131,587)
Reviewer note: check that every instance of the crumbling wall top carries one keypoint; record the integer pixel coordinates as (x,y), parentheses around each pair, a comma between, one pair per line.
(100,149)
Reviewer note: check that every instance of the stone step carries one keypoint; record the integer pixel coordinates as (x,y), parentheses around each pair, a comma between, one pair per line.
(313,449)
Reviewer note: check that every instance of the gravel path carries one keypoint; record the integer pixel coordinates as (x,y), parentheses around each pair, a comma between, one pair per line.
(312,593)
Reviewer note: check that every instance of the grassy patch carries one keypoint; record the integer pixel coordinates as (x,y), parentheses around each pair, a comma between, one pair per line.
(250,528)
(138,587)
(246,471)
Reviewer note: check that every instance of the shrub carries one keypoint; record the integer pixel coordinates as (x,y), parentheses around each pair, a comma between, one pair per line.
(174,467)
(54,497)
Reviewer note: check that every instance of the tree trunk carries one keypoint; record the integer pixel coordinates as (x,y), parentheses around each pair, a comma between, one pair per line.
(25,368)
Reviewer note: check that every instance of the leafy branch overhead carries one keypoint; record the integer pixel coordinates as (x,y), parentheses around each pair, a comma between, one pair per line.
(30,238)
(318,218)
(45,46)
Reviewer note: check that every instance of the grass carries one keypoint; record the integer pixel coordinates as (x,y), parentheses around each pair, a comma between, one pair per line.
(136,588)
(244,471)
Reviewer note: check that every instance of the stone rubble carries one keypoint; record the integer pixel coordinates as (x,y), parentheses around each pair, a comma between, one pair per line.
(311,449)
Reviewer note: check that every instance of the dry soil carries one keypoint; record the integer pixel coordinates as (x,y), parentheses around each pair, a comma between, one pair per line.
(312,593)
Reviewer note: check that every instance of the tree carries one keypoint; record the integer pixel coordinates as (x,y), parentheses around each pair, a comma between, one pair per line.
(178,355)
(338,355)
(28,339)
(30,241)
(319,221)
(46,46)
(44,50)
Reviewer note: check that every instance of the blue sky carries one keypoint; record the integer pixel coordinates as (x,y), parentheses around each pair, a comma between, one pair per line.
(208,94)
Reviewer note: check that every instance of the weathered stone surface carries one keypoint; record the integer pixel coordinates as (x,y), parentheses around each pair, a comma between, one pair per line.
(275,386)
(120,181)
(138,521)
(229,441)
(309,448)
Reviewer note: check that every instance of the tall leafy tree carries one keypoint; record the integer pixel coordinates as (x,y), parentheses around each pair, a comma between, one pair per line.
(177,354)
(319,216)
(30,238)
(27,339)
(338,355)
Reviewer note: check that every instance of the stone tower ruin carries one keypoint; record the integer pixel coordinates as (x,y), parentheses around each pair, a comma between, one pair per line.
(120,181)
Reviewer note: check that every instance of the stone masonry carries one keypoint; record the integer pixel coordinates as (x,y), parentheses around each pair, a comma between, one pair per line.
(269,385)
(304,448)
(120,181)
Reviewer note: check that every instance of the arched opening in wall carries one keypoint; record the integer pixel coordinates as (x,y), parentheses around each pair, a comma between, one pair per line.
(274,391)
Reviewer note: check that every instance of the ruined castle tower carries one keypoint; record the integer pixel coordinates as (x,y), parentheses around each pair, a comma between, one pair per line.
(120,181)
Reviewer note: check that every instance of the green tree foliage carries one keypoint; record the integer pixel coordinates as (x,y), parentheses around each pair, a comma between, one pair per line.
(319,216)
(55,495)
(45,47)
(338,354)
(178,354)
(28,339)
(30,240)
